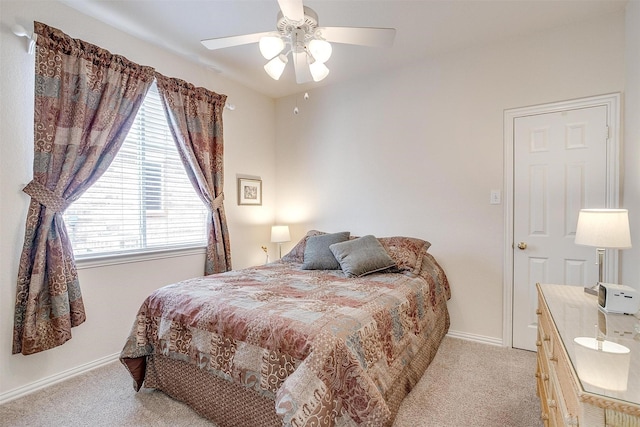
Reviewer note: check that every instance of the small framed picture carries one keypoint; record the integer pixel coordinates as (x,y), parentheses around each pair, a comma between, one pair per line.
(249,191)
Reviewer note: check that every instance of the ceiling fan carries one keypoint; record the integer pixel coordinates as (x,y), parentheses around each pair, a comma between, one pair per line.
(298,33)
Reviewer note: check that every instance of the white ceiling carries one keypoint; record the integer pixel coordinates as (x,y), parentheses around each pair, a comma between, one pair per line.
(424,28)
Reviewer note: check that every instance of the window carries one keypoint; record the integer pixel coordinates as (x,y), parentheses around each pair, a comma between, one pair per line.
(144,201)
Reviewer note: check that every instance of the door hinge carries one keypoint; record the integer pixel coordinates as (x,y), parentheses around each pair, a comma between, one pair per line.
(607,132)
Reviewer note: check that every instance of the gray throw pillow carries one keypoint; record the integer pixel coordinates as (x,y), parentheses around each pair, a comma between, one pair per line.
(362,256)
(318,256)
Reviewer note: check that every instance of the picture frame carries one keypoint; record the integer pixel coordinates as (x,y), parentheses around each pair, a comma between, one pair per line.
(249,191)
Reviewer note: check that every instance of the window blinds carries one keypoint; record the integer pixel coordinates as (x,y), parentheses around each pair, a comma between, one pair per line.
(144,201)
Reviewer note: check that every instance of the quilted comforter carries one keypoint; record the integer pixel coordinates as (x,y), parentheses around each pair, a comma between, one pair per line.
(325,347)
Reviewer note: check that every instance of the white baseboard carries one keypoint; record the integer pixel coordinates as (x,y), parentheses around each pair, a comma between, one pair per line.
(477,338)
(53,379)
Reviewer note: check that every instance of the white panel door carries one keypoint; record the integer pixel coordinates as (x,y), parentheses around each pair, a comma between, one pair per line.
(560,167)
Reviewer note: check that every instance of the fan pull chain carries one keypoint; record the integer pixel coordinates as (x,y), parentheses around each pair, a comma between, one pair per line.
(296,110)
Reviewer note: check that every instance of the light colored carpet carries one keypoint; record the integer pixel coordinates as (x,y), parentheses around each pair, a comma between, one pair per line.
(475,385)
(468,384)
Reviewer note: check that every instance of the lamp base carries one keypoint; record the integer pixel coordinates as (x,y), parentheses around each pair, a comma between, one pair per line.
(592,290)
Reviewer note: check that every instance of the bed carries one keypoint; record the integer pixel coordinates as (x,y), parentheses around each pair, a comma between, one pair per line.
(292,343)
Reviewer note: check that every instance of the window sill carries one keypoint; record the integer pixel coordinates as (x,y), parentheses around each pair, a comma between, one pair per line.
(129,258)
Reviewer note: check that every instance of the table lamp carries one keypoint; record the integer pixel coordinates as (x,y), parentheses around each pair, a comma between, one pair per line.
(280,235)
(604,229)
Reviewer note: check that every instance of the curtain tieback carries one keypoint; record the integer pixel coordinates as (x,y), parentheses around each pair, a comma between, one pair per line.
(46,197)
(217,202)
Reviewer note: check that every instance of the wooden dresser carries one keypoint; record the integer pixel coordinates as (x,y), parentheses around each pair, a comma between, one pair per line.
(565,313)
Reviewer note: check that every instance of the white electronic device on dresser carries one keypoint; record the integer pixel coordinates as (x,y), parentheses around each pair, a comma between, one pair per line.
(588,364)
(618,298)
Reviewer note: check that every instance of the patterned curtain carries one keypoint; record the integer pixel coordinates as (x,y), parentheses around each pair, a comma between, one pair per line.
(195,118)
(85,102)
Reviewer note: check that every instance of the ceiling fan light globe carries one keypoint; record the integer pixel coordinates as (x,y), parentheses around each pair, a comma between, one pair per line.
(275,67)
(270,46)
(318,71)
(320,50)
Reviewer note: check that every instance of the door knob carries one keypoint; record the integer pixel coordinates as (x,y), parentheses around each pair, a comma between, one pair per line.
(522,246)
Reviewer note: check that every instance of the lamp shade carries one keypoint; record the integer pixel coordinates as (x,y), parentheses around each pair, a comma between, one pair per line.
(275,67)
(604,228)
(318,71)
(270,46)
(280,234)
(320,50)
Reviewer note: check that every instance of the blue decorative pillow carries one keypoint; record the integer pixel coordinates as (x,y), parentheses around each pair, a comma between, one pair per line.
(297,253)
(362,256)
(318,256)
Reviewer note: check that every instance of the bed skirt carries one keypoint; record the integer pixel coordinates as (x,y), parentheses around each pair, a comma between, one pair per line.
(230,405)
(221,401)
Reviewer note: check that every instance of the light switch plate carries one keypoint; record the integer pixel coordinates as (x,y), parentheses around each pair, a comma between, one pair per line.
(496,197)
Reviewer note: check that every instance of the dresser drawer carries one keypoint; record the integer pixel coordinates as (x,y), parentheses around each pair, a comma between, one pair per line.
(542,371)
(542,383)
(559,407)
(562,374)
(561,378)
(557,394)
(545,330)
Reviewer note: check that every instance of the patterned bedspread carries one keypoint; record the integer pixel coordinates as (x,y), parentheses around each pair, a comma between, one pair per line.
(327,348)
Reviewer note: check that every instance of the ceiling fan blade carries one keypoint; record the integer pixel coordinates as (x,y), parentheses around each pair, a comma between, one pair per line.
(364,36)
(292,9)
(222,42)
(303,75)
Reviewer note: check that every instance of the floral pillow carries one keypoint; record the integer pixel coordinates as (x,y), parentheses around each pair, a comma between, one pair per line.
(407,252)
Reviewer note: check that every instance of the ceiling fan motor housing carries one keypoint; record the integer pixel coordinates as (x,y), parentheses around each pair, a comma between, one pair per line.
(298,32)
(308,24)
